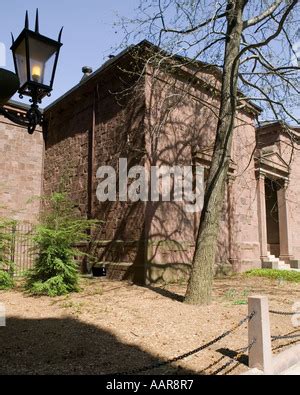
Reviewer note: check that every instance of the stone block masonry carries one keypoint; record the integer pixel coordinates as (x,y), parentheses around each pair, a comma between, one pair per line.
(118,113)
(21,169)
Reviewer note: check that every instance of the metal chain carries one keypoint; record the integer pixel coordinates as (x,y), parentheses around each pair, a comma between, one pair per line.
(236,358)
(188,354)
(281,312)
(285,337)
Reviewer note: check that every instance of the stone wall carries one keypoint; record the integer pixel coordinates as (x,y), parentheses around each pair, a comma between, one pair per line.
(181,125)
(95,125)
(111,116)
(21,168)
(178,127)
(244,229)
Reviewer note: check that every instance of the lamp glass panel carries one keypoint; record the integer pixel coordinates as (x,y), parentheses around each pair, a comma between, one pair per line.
(20,56)
(42,58)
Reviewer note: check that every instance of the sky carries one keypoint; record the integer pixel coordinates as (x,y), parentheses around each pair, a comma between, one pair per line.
(89,35)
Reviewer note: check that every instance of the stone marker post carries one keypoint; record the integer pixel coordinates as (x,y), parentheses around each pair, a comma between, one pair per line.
(260,354)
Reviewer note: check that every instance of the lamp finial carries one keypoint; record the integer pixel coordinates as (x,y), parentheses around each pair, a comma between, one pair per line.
(37,27)
(60,33)
(26,21)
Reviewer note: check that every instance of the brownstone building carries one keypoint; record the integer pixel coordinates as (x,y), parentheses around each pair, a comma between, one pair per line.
(156,110)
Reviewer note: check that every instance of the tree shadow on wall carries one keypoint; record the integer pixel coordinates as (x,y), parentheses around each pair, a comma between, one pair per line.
(165,124)
(133,221)
(67,346)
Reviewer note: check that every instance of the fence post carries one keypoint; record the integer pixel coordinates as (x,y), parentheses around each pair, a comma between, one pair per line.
(13,248)
(260,354)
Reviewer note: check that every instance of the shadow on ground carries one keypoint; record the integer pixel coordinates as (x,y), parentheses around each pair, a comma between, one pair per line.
(67,346)
(167,294)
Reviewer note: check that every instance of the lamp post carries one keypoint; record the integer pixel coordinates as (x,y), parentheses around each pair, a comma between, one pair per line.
(35,59)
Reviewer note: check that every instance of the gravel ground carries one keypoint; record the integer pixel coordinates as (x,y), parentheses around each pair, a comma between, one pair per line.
(113,327)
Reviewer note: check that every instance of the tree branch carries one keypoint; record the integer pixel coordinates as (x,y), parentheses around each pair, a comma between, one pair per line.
(195,28)
(285,15)
(259,18)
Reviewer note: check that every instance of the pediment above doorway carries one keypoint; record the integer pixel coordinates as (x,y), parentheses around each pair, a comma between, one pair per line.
(269,161)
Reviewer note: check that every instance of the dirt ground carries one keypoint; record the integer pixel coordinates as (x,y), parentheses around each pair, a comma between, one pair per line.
(114,327)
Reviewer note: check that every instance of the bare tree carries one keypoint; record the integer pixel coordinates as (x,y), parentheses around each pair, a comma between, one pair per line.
(252,43)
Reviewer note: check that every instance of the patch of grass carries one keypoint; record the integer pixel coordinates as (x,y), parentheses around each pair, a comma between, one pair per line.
(238,298)
(230,293)
(240,302)
(275,274)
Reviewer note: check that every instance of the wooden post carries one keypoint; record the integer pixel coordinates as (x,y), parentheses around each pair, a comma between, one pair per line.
(260,354)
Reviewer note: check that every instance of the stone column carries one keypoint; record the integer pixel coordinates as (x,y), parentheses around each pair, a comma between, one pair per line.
(283,215)
(262,220)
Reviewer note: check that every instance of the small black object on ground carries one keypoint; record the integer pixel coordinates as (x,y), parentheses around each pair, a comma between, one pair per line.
(99,271)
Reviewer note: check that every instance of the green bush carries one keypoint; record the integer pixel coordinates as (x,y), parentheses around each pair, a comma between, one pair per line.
(55,270)
(275,274)
(53,287)
(6,266)
(6,280)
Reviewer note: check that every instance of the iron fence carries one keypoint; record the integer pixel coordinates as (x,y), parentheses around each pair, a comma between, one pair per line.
(22,248)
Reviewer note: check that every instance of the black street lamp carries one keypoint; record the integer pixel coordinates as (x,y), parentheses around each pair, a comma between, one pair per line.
(35,58)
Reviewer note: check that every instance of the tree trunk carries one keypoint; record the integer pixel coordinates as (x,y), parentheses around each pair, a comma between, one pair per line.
(199,289)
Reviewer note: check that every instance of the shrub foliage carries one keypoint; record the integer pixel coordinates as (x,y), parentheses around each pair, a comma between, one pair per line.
(55,271)
(6,266)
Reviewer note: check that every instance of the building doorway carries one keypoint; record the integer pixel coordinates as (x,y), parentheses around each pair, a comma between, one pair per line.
(272,216)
